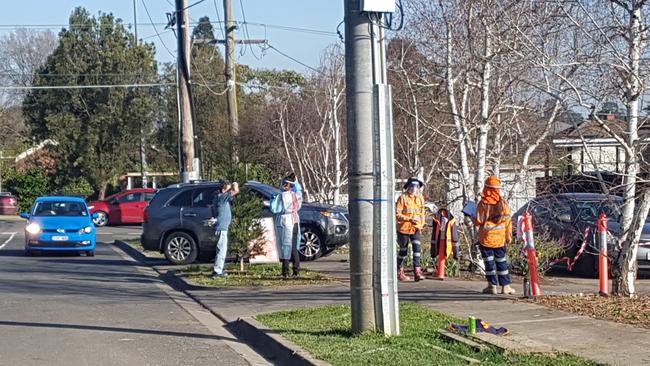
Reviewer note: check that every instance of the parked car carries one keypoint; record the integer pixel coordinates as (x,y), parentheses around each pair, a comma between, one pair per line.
(8,204)
(59,223)
(565,217)
(122,208)
(175,222)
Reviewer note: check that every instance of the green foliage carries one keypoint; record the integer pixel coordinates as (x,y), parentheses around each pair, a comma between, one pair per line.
(78,186)
(547,250)
(245,172)
(96,129)
(28,186)
(452,267)
(246,229)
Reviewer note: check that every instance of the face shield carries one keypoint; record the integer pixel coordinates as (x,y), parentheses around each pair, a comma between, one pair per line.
(413,188)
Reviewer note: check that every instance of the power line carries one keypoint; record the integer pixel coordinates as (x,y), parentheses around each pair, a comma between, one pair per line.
(216,9)
(48,87)
(312,31)
(156,29)
(291,58)
(246,33)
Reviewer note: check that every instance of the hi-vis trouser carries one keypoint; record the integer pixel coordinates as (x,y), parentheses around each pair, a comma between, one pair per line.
(403,241)
(496,266)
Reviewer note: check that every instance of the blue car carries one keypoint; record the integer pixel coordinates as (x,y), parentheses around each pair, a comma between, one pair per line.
(58,224)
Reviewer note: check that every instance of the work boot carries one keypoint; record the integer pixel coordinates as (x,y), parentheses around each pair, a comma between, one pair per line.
(285,268)
(401,276)
(507,290)
(418,274)
(490,289)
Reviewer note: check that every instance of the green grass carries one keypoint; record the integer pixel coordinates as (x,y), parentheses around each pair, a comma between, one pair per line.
(254,275)
(325,333)
(137,245)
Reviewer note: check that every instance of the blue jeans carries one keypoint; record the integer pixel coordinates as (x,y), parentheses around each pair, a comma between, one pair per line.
(222,250)
(496,265)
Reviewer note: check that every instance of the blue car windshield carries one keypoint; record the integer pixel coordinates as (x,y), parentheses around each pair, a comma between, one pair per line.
(60,208)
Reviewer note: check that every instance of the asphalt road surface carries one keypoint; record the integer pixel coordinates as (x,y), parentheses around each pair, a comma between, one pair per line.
(77,310)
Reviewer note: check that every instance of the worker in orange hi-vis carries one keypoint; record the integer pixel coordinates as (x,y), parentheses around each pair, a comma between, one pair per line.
(493,218)
(410,221)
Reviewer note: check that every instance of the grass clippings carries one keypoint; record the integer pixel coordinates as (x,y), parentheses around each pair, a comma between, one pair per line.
(254,275)
(619,309)
(325,333)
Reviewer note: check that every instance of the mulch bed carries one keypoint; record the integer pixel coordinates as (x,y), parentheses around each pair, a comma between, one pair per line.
(619,309)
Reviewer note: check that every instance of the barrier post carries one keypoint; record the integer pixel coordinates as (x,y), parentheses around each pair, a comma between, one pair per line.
(603,270)
(442,260)
(531,254)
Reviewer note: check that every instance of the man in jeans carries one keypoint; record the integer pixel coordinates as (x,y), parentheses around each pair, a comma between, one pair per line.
(222,213)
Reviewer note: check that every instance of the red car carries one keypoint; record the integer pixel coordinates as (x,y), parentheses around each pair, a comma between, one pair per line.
(122,208)
(8,204)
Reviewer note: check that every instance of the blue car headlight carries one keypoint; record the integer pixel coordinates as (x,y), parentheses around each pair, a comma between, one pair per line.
(86,230)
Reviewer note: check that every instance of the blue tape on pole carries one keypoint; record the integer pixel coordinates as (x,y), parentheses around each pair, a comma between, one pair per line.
(369,200)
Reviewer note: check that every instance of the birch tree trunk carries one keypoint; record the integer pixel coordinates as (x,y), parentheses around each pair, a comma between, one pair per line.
(623,283)
(484,126)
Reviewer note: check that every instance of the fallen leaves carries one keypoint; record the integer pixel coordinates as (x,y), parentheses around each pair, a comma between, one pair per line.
(618,309)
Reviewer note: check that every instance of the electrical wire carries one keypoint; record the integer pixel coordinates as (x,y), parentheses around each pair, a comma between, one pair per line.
(248,36)
(48,87)
(268,45)
(216,9)
(318,32)
(156,29)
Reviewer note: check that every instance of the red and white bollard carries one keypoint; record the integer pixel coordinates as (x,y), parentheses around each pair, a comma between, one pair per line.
(603,270)
(531,254)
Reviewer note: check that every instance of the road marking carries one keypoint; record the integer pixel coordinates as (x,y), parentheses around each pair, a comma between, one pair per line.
(11,236)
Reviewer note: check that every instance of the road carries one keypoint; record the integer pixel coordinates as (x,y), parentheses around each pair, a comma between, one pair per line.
(102,310)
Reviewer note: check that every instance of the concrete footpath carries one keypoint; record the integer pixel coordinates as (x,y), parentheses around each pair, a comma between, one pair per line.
(602,341)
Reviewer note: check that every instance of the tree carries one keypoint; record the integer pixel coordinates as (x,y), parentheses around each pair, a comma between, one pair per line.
(246,229)
(22,53)
(97,129)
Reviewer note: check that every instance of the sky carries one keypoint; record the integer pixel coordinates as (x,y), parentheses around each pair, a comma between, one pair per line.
(305,47)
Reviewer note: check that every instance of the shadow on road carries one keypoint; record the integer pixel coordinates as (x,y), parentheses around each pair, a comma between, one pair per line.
(114,329)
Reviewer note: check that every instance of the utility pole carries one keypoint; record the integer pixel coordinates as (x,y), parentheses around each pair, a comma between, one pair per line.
(143,140)
(190,163)
(359,95)
(373,267)
(231,80)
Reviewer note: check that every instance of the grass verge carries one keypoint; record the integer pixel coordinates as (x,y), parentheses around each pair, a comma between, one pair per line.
(137,245)
(325,333)
(254,275)
(618,309)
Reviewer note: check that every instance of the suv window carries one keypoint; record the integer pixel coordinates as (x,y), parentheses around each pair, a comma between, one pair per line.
(184,199)
(148,196)
(202,197)
(131,197)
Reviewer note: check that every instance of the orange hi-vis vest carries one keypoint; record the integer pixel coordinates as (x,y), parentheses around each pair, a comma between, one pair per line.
(410,207)
(446,225)
(494,224)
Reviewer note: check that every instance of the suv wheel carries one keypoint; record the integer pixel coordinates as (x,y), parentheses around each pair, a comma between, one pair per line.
(311,244)
(180,248)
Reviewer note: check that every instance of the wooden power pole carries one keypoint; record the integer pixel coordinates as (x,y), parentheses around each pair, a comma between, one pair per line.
(190,163)
(231,79)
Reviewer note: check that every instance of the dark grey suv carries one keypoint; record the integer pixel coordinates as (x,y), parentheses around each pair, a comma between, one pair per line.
(176,222)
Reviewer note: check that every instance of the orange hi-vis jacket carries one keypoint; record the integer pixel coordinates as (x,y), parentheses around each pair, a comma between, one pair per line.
(410,207)
(494,224)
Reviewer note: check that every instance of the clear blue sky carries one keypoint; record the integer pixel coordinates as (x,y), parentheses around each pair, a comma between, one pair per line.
(313,14)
